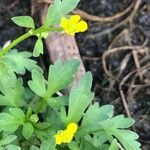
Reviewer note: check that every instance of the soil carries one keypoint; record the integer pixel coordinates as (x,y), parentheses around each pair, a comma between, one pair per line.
(110,84)
(95,42)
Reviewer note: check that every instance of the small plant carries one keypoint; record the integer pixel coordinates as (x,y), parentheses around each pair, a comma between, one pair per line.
(36,117)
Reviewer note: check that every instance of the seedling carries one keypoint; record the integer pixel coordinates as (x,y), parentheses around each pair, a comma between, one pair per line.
(34,117)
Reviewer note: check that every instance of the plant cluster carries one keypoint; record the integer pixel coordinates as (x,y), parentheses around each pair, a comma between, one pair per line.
(36,116)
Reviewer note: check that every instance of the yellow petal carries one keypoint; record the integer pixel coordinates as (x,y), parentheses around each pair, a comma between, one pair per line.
(64,22)
(72,33)
(58,139)
(69,31)
(74,19)
(67,137)
(81,26)
(72,128)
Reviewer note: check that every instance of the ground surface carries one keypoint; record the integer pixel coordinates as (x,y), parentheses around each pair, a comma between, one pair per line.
(121,75)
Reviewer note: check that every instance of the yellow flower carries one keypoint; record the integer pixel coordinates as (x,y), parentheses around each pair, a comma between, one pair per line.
(65,136)
(73,25)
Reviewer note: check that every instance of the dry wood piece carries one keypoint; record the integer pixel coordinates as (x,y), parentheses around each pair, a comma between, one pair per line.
(64,47)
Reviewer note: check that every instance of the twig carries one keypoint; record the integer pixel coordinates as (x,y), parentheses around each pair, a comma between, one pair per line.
(137,64)
(108,52)
(87,16)
(124,102)
(13,4)
(45,1)
(121,91)
(90,58)
(124,22)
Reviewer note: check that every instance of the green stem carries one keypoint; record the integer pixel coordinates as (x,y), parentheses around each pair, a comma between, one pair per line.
(25,36)
(40,107)
(14,43)
(43,103)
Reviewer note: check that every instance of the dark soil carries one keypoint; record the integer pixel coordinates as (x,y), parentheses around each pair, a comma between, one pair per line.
(93,44)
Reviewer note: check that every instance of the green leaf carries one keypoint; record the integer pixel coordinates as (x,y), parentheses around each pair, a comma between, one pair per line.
(44,134)
(38,48)
(37,84)
(68,6)
(34,148)
(61,75)
(18,113)
(119,122)
(7,76)
(127,138)
(42,125)
(48,145)
(27,130)
(114,145)
(58,102)
(12,147)
(79,98)
(24,21)
(114,127)
(96,139)
(74,146)
(58,9)
(9,122)
(54,119)
(7,139)
(85,144)
(97,114)
(28,94)
(20,61)
(12,96)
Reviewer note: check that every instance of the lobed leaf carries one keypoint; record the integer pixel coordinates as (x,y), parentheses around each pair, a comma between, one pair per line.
(114,127)
(96,114)
(48,144)
(37,84)
(97,140)
(7,139)
(12,147)
(24,21)
(58,9)
(18,113)
(38,48)
(79,98)
(61,75)
(27,130)
(114,145)
(74,146)
(127,138)
(7,76)
(20,61)
(58,102)
(9,122)
(33,147)
(42,125)
(119,122)
(12,96)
